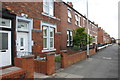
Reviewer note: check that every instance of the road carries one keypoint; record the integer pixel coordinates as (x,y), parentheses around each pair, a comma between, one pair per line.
(103,64)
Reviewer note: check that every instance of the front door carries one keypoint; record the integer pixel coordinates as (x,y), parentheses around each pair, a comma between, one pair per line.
(5,48)
(22,44)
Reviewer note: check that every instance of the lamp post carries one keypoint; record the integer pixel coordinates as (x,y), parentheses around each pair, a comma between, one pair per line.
(87,30)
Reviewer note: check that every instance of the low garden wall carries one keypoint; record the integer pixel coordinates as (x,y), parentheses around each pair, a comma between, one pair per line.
(45,67)
(68,60)
(25,64)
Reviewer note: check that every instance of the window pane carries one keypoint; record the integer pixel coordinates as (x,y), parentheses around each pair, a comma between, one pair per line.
(51,3)
(3,41)
(67,43)
(46,9)
(69,19)
(48,6)
(51,42)
(4,22)
(21,41)
(51,11)
(71,36)
(45,2)
(44,31)
(23,25)
(67,35)
(44,42)
(51,32)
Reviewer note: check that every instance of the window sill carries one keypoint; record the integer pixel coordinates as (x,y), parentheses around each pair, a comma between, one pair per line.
(50,16)
(77,25)
(48,50)
(70,22)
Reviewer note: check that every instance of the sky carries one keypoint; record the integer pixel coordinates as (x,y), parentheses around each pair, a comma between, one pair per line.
(102,12)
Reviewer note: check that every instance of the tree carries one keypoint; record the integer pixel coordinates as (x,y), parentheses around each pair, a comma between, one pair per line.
(80,38)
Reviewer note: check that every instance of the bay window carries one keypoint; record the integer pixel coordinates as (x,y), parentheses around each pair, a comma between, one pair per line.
(69,38)
(48,7)
(48,38)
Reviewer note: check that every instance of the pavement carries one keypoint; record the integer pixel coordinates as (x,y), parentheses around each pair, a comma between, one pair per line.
(103,64)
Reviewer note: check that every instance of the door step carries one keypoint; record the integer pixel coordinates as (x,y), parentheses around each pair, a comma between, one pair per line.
(8,70)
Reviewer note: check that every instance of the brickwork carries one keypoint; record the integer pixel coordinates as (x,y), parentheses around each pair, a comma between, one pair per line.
(45,67)
(20,74)
(34,10)
(26,64)
(92,51)
(50,64)
(40,66)
(68,60)
(100,35)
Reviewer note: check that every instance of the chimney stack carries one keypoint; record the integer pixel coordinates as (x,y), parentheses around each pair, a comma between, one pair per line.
(70,4)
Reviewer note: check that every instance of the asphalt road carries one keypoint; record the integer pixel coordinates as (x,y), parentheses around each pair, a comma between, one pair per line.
(103,64)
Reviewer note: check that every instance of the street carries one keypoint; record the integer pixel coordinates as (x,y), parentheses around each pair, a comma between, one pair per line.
(103,64)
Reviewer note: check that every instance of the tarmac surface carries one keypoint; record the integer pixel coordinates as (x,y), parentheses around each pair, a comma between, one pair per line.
(103,64)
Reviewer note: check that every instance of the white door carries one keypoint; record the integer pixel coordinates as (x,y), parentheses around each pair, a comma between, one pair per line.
(5,48)
(22,43)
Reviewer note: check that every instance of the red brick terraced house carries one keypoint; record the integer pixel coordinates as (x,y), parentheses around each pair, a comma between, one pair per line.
(71,20)
(107,38)
(36,30)
(41,27)
(100,35)
(103,37)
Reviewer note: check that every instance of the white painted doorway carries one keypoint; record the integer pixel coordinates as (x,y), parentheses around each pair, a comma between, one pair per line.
(5,48)
(23,36)
(23,42)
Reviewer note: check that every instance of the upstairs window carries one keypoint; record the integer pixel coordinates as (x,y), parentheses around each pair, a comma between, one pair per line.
(84,22)
(69,16)
(69,38)
(48,7)
(77,20)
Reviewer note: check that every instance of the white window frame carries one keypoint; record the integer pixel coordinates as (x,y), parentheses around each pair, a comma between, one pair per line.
(20,29)
(46,38)
(29,30)
(2,19)
(84,22)
(47,4)
(69,33)
(77,19)
(69,15)
(49,25)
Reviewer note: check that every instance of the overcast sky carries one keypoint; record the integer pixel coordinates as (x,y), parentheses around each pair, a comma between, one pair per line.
(102,12)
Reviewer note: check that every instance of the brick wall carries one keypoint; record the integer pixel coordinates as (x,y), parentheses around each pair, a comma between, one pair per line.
(40,66)
(65,25)
(45,67)
(92,51)
(68,60)
(25,64)
(34,10)
(100,35)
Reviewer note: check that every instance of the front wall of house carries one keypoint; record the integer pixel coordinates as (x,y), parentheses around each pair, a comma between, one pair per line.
(100,35)
(7,38)
(34,11)
(65,25)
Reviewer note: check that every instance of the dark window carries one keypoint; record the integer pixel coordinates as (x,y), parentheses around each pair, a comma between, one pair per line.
(69,38)
(3,41)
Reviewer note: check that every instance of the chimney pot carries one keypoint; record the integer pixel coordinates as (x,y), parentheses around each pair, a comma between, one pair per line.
(70,4)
